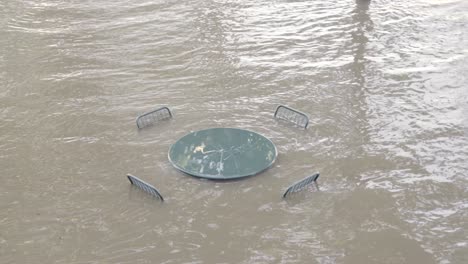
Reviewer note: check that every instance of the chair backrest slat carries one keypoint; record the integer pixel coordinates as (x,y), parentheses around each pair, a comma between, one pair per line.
(299,185)
(144,186)
(292,115)
(153,117)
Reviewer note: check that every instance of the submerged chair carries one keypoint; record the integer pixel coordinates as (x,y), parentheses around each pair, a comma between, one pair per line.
(145,186)
(300,185)
(294,116)
(153,117)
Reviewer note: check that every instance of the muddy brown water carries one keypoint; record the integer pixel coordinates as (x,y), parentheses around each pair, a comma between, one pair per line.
(384,85)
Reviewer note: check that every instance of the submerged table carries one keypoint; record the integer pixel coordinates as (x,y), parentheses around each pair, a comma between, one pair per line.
(222,153)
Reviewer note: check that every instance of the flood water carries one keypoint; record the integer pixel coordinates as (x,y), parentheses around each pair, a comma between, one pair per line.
(384,85)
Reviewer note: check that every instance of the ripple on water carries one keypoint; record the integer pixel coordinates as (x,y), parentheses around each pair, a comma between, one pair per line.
(384,86)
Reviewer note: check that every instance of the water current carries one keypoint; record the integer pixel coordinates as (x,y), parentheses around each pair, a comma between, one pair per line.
(383,83)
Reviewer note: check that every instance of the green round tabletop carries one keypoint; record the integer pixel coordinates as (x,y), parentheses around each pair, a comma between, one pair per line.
(222,153)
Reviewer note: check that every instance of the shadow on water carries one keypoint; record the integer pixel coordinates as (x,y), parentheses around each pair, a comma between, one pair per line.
(359,208)
(354,114)
(364,23)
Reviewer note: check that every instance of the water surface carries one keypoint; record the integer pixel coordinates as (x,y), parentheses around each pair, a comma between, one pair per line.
(384,85)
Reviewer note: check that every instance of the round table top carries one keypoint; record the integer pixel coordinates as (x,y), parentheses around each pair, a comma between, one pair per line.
(222,153)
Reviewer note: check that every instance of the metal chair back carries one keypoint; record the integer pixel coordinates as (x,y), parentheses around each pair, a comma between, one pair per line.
(292,115)
(300,185)
(153,117)
(145,186)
